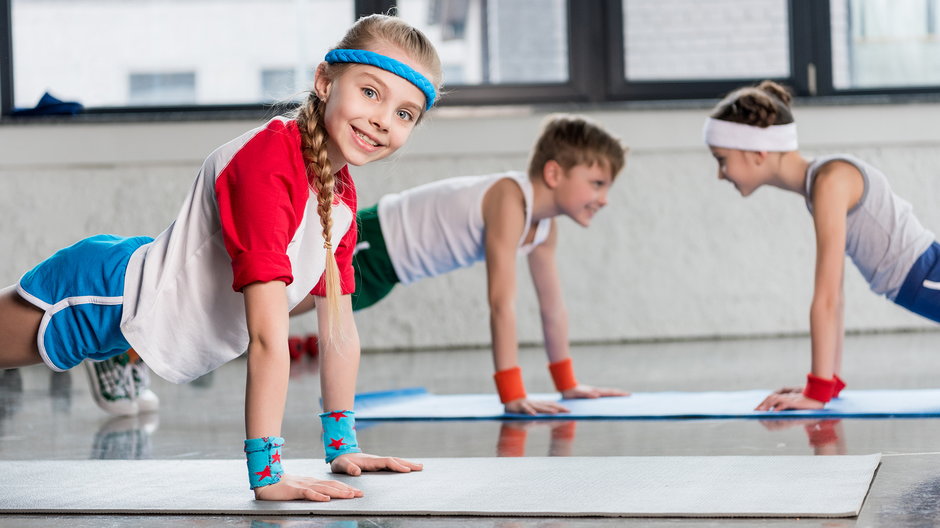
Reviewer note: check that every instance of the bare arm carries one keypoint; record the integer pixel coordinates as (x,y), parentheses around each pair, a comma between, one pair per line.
(552,309)
(504,221)
(268,360)
(339,356)
(544,270)
(837,188)
(339,366)
(266,389)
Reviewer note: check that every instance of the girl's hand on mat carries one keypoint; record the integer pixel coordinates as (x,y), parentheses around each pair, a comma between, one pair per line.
(788,390)
(527,406)
(292,487)
(587,391)
(355,463)
(787,401)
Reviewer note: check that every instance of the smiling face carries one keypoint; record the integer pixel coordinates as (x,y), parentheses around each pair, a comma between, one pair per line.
(369,112)
(739,167)
(581,191)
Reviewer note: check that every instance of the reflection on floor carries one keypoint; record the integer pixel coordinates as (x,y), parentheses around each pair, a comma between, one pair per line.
(53,414)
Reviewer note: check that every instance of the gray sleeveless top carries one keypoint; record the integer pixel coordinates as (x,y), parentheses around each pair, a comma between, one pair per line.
(883,237)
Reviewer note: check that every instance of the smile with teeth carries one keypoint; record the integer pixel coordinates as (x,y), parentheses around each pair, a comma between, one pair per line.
(366,138)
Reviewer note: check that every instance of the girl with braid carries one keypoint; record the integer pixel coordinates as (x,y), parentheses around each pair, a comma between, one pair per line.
(270,220)
(752,135)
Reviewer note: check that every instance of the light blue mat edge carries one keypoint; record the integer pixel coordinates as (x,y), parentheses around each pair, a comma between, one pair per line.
(845,407)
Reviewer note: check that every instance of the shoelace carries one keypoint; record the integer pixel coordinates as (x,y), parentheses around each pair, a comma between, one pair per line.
(141,375)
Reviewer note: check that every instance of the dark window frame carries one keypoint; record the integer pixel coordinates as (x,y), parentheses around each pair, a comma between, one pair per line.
(595,65)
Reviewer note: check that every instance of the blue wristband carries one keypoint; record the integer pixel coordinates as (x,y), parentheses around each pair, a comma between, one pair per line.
(264,460)
(339,434)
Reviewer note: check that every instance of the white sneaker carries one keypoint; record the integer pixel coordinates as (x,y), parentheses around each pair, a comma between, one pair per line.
(147,400)
(112,385)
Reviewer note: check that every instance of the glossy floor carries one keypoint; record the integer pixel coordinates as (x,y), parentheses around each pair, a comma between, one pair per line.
(46,415)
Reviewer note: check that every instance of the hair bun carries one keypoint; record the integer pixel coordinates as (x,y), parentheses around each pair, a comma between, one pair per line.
(777,91)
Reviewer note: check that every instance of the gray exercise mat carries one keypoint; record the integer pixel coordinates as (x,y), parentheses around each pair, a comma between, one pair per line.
(710,486)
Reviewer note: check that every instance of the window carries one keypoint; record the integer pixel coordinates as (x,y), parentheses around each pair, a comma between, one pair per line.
(285,84)
(495,41)
(880,43)
(118,55)
(162,88)
(690,39)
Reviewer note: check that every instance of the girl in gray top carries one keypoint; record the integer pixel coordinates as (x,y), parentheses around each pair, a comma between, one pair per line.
(752,135)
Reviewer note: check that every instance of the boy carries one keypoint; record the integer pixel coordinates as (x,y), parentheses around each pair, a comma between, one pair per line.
(452,223)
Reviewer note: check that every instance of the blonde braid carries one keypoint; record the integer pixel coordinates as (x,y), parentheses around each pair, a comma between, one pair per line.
(320,174)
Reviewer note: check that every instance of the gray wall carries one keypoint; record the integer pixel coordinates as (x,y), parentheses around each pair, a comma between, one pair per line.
(676,254)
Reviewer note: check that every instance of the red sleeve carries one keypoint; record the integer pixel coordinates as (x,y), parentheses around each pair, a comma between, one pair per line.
(346,191)
(261,195)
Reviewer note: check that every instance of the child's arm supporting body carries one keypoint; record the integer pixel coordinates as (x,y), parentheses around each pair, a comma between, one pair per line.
(504,220)
(837,188)
(544,271)
(339,365)
(266,389)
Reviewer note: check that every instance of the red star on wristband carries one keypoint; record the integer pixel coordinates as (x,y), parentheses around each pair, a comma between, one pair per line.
(337,415)
(336,444)
(276,457)
(264,474)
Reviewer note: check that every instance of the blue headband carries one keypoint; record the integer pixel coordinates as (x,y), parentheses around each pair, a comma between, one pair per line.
(388,64)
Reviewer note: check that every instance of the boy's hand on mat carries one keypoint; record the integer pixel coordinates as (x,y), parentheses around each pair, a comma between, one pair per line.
(355,463)
(527,406)
(292,487)
(788,401)
(788,390)
(587,391)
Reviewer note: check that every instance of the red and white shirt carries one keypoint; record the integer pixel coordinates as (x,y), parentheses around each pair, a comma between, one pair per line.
(251,216)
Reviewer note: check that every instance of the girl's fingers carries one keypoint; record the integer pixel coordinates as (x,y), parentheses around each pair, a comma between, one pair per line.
(311,495)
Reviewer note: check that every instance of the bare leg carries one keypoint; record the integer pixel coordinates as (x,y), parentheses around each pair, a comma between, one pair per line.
(19,325)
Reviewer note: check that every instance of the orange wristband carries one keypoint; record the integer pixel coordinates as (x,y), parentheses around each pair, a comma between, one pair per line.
(563,374)
(509,384)
(819,389)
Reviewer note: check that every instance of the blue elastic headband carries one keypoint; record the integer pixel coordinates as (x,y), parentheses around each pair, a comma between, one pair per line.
(388,64)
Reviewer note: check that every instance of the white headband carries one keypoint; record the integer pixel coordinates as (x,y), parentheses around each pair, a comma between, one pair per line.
(725,134)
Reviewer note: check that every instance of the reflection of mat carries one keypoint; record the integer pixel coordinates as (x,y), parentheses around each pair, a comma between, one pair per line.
(789,486)
(417,404)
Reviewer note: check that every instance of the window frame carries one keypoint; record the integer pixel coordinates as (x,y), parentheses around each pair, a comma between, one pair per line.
(595,67)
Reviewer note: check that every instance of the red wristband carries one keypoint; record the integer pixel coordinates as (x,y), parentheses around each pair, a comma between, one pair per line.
(819,389)
(563,374)
(839,385)
(509,384)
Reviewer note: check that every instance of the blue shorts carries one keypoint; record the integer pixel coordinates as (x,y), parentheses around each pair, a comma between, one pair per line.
(920,292)
(81,291)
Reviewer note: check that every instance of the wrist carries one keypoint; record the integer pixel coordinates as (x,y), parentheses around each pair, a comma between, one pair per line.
(819,389)
(339,434)
(563,374)
(509,384)
(264,460)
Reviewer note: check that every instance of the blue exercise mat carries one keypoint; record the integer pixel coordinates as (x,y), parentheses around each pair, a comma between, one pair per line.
(418,404)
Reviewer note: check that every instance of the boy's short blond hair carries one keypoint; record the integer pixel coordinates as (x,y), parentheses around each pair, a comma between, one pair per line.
(573,140)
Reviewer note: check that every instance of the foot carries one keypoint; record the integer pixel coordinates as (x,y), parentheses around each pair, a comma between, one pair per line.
(112,385)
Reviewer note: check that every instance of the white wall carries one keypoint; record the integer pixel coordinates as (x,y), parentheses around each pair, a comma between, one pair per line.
(676,253)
